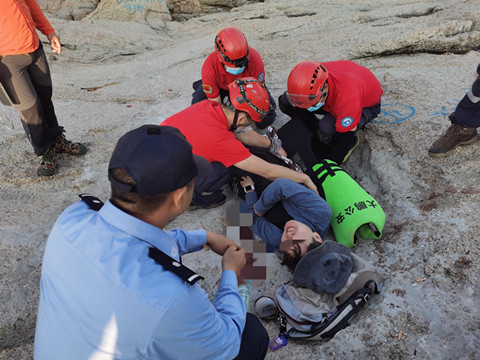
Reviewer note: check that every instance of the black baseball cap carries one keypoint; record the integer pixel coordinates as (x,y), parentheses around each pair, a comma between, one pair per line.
(158,158)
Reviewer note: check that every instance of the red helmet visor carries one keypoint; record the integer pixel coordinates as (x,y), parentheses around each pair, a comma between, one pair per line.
(305,101)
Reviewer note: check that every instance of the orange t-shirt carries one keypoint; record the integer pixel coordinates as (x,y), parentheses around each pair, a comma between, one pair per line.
(18,21)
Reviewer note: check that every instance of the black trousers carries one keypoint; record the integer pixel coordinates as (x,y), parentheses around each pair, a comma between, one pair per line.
(467,112)
(26,79)
(208,190)
(254,344)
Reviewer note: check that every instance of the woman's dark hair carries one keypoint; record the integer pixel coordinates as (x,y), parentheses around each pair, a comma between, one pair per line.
(292,260)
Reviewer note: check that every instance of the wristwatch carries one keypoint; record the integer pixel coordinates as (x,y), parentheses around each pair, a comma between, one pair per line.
(248,188)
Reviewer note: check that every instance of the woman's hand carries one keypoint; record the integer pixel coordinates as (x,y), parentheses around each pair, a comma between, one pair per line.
(247,180)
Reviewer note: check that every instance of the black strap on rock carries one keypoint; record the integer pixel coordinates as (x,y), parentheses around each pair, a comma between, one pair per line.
(168,263)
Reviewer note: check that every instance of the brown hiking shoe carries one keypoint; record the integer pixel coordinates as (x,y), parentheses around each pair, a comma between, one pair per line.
(455,135)
(49,163)
(62,145)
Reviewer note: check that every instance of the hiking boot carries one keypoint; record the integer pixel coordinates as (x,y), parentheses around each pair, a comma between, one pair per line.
(356,140)
(62,145)
(454,136)
(196,206)
(48,164)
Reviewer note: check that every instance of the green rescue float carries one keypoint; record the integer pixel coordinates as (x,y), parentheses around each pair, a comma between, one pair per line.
(353,209)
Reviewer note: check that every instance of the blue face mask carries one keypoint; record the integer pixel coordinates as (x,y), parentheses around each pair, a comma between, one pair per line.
(239,131)
(234,70)
(316,107)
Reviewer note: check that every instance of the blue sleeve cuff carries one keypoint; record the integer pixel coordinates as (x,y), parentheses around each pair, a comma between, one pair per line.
(196,240)
(229,279)
(250,200)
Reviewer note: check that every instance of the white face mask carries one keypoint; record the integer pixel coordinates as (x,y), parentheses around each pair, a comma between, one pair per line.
(234,70)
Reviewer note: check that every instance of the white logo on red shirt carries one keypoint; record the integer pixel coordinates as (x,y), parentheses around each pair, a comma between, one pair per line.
(346,121)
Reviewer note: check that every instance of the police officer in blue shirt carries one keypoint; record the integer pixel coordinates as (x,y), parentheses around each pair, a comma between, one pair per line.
(113,286)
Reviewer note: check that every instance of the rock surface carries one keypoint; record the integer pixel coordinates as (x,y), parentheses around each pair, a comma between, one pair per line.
(113,76)
(126,10)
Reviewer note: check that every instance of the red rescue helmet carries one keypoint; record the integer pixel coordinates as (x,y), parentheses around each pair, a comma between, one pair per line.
(306,83)
(232,48)
(249,95)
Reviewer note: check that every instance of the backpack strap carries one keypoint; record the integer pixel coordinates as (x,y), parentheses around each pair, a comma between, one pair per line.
(160,257)
(345,313)
(340,319)
(375,287)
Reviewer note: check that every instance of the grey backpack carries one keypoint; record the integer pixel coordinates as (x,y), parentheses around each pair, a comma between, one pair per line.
(305,314)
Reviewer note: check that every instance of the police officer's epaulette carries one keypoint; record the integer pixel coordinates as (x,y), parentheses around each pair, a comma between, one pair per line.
(174,266)
(160,257)
(92,201)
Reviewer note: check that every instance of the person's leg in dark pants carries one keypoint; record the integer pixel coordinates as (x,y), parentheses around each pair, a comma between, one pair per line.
(15,78)
(39,73)
(208,191)
(198,93)
(254,340)
(26,79)
(368,114)
(326,128)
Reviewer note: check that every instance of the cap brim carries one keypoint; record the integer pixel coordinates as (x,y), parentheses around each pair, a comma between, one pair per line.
(204,168)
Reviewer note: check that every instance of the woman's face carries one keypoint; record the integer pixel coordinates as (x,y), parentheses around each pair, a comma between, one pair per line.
(296,235)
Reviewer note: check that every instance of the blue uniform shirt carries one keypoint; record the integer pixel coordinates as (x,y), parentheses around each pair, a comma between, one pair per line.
(301,203)
(102,297)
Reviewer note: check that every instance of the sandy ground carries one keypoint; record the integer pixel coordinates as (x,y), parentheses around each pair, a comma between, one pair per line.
(115,76)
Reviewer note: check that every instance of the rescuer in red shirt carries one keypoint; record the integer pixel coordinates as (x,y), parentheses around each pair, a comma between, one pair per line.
(220,135)
(232,59)
(335,99)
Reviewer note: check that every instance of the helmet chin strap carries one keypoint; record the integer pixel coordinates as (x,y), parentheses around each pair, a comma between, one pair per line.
(235,119)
